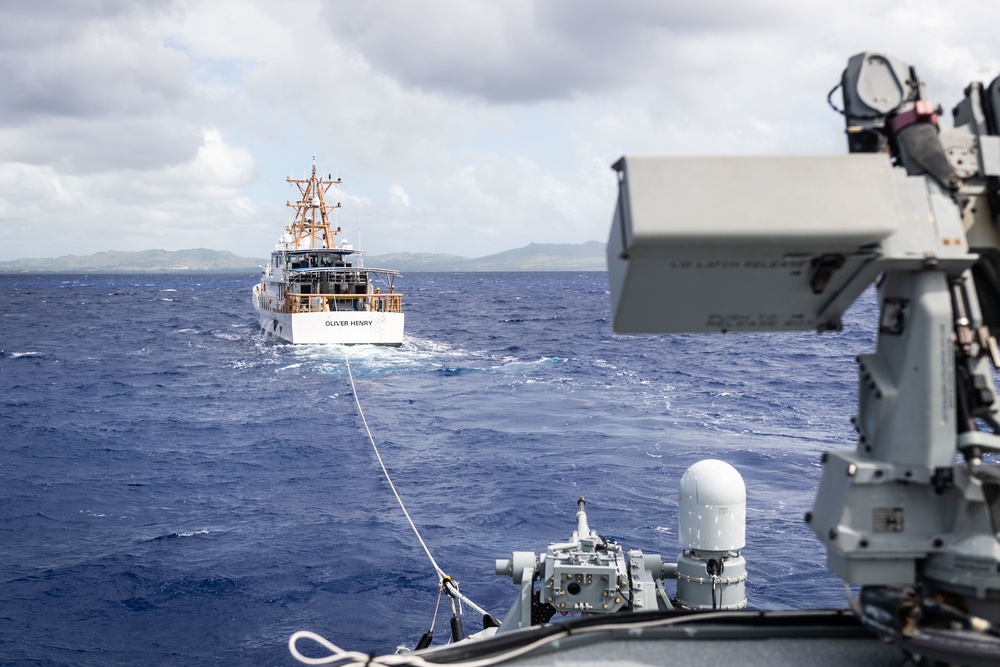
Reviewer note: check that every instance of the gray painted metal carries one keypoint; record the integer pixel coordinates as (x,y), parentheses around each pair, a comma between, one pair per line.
(776,244)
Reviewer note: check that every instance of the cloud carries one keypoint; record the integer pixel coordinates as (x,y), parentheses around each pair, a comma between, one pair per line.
(396,191)
(202,202)
(90,86)
(466,127)
(527,51)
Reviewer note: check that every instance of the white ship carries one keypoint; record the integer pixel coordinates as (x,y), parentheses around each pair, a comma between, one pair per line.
(316,291)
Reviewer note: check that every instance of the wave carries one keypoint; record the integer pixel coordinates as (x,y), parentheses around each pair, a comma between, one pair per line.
(492,420)
(175,536)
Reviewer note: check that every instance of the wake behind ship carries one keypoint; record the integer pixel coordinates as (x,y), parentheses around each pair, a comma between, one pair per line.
(314,291)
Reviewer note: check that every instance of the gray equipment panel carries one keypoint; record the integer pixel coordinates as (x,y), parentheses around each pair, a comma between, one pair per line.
(707,244)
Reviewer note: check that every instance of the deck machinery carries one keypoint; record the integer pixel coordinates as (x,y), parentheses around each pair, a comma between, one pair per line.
(912,515)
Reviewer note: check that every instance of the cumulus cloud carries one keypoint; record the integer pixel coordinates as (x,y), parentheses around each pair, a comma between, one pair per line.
(396,191)
(202,201)
(524,50)
(90,85)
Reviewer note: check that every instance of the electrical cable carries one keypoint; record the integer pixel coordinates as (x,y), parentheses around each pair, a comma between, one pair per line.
(829,99)
(852,602)
(911,97)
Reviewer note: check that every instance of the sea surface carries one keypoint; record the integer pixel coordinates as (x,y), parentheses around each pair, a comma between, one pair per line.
(177,490)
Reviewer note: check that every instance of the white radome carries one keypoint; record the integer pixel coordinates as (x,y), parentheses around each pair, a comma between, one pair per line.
(712,513)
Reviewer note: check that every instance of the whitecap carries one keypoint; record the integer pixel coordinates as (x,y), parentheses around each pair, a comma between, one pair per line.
(192,533)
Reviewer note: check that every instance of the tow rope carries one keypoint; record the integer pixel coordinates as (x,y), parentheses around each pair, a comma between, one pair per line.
(446,583)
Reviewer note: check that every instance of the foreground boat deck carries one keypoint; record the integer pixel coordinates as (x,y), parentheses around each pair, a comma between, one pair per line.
(744,652)
(743,639)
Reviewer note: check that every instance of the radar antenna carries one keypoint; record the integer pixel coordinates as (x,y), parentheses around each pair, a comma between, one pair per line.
(311,228)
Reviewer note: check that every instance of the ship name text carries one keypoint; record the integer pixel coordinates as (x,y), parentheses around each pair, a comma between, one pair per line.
(348,323)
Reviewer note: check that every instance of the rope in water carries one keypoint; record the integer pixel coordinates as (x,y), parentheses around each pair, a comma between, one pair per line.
(449,585)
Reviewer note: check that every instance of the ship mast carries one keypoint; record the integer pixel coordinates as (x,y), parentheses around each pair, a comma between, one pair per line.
(311,228)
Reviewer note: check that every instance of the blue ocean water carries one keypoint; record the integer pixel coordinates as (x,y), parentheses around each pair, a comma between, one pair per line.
(174,489)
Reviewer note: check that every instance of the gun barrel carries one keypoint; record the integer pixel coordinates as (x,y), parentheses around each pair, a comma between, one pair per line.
(581,519)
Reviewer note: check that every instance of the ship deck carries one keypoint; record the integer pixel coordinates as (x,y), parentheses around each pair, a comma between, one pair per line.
(817,638)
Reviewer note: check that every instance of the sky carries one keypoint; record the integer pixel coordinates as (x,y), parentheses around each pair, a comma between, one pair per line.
(458,126)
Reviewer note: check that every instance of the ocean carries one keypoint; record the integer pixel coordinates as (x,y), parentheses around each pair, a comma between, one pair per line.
(177,490)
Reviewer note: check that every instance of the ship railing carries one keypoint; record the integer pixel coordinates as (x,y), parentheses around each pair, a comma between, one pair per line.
(327,303)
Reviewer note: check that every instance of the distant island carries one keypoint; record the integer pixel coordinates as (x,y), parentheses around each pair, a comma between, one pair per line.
(587,256)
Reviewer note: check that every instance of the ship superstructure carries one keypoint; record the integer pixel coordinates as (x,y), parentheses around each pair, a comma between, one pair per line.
(316,291)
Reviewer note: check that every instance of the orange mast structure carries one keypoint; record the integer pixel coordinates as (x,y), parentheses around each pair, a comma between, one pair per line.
(311,228)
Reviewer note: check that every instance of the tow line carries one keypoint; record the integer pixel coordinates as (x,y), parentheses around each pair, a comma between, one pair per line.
(446,584)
